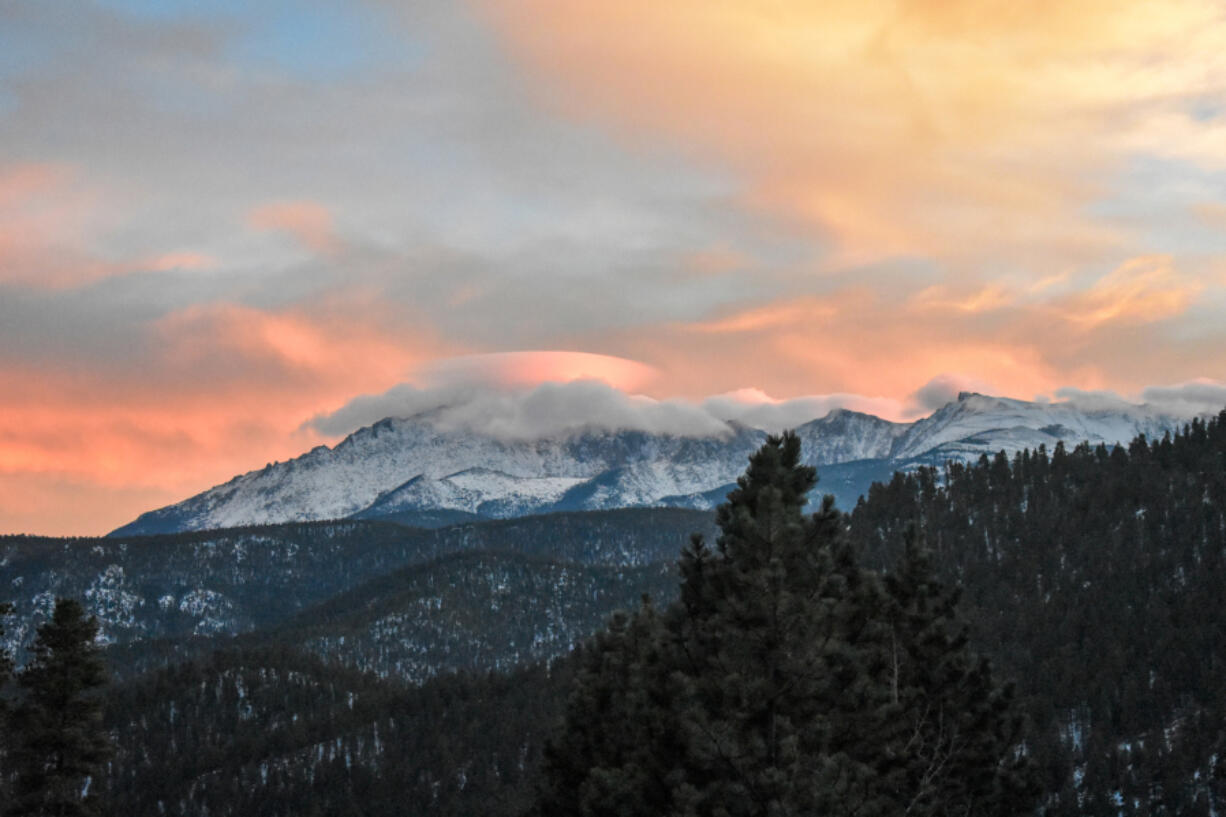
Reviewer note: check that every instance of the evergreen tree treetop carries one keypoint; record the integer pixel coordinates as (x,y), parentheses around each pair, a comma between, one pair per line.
(6,671)
(58,738)
(785,681)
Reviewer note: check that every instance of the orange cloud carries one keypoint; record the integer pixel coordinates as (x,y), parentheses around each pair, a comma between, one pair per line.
(307,221)
(185,260)
(1025,340)
(960,131)
(224,389)
(853,341)
(984,299)
(48,505)
(782,313)
(1142,290)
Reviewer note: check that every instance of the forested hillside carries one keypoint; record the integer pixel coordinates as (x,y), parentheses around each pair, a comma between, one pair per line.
(223,583)
(274,733)
(1094,577)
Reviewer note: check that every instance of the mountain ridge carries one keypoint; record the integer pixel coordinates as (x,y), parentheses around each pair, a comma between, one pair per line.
(402,467)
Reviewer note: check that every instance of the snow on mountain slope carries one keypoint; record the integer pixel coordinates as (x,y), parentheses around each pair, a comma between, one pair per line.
(399,466)
(845,436)
(646,483)
(975,424)
(348,479)
(476,490)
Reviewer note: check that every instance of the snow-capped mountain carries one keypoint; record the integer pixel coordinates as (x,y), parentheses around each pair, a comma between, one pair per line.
(479,491)
(400,467)
(976,424)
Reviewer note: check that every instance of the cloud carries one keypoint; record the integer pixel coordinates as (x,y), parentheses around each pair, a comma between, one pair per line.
(755,408)
(1141,290)
(530,368)
(1211,213)
(184,260)
(56,226)
(1094,399)
(307,221)
(181,401)
(544,410)
(1194,398)
(47,218)
(1200,396)
(964,130)
(943,389)
(984,299)
(789,311)
(862,340)
(557,408)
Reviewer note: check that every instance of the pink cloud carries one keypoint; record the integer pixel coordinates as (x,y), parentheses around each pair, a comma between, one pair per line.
(531,368)
(183,260)
(307,221)
(218,389)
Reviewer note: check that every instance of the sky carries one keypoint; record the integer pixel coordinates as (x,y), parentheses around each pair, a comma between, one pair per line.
(231,231)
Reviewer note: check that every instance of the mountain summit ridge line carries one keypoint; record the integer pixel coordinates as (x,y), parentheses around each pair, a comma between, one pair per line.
(407,469)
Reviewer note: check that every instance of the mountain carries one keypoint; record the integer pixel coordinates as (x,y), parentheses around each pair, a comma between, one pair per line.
(976,424)
(409,470)
(403,465)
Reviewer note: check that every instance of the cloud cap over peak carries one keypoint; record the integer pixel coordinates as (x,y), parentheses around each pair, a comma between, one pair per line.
(518,413)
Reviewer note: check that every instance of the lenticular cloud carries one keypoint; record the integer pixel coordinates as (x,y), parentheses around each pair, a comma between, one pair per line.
(550,409)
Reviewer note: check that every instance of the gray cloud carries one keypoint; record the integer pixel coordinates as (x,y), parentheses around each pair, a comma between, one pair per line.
(1194,397)
(1185,400)
(454,191)
(777,415)
(546,410)
(1095,399)
(467,401)
(943,389)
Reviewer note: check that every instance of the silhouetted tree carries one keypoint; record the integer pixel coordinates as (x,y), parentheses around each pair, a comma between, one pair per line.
(956,733)
(6,671)
(785,681)
(59,743)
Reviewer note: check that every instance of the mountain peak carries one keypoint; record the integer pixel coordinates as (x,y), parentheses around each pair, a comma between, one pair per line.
(411,465)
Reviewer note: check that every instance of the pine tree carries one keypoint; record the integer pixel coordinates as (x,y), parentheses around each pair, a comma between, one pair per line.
(749,696)
(786,680)
(780,651)
(956,734)
(613,764)
(6,672)
(59,743)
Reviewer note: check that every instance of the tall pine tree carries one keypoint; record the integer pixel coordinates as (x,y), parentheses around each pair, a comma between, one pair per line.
(59,743)
(956,734)
(6,672)
(777,668)
(775,685)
